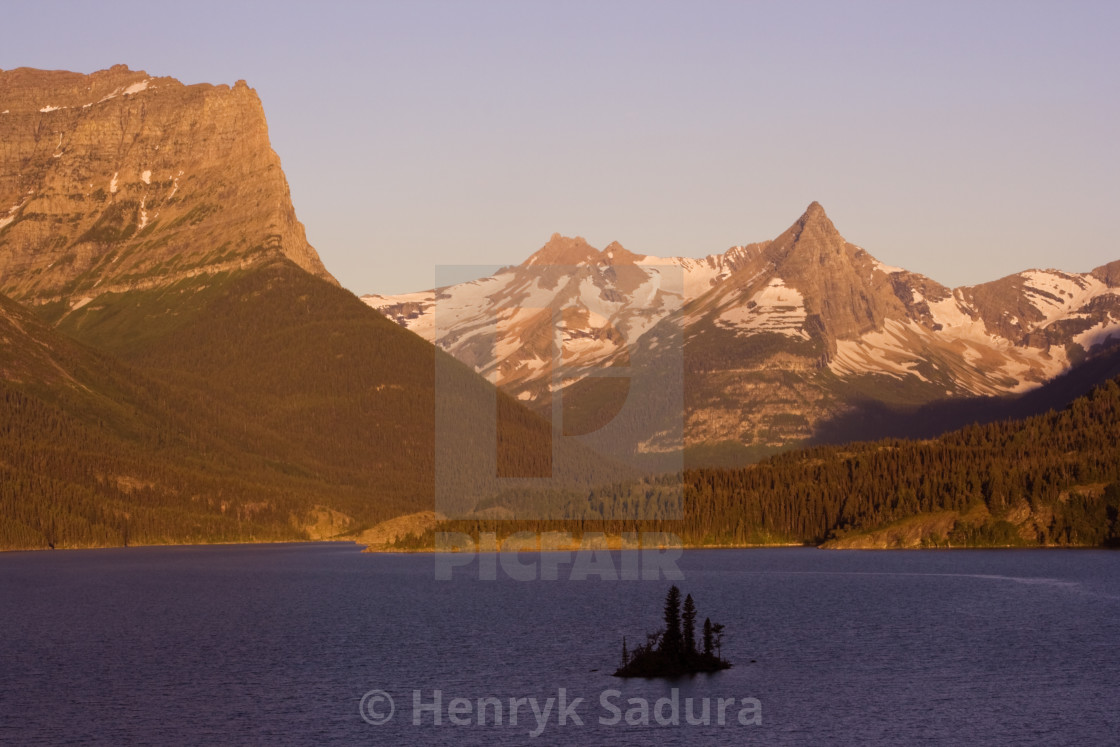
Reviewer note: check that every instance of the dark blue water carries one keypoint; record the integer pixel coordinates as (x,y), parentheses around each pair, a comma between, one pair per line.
(276,644)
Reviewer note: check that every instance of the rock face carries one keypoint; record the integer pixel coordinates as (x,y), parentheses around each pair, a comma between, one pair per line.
(118,181)
(779,336)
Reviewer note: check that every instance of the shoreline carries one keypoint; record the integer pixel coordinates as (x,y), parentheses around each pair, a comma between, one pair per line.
(369,549)
(8,550)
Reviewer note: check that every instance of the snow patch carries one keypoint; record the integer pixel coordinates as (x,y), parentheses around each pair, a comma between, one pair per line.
(146,176)
(50,108)
(120,91)
(175,185)
(994,364)
(113,183)
(1055,294)
(591,298)
(886,351)
(700,275)
(1098,333)
(775,308)
(13,213)
(886,269)
(952,313)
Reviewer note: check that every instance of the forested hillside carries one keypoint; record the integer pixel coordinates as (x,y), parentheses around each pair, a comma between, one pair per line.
(1052,479)
(260,404)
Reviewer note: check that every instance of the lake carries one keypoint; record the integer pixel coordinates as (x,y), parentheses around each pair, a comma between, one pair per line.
(281,643)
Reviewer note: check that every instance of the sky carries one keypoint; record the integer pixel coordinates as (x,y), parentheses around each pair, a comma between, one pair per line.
(962,140)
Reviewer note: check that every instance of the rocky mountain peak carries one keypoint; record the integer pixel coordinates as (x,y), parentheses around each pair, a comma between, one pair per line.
(836,278)
(562,250)
(616,254)
(815,212)
(117,180)
(813,227)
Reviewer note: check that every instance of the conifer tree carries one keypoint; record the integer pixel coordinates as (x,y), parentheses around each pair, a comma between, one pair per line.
(689,618)
(717,636)
(671,642)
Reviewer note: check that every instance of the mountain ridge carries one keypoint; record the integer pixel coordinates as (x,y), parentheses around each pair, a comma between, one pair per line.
(177,366)
(779,335)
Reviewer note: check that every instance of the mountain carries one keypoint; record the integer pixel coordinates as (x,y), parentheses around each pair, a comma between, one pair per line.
(780,338)
(201,377)
(177,366)
(122,181)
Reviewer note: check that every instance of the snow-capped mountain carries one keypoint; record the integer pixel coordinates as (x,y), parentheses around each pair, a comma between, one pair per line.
(777,335)
(568,304)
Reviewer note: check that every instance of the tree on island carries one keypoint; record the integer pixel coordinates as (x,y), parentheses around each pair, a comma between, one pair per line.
(689,618)
(672,651)
(717,634)
(671,641)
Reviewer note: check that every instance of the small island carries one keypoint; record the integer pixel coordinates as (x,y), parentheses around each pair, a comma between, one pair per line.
(672,652)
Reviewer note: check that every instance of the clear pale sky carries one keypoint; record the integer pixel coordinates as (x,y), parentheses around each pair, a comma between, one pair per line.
(963,140)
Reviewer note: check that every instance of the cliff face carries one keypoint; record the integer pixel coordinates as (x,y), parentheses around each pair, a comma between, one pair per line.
(119,181)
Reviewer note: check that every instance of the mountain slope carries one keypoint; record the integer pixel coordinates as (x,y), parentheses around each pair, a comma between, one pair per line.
(260,404)
(870,419)
(96,453)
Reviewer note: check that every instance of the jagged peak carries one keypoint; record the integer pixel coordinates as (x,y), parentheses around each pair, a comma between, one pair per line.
(617,254)
(813,234)
(816,220)
(563,250)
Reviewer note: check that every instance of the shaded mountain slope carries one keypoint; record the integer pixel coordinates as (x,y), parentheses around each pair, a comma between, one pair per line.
(265,388)
(872,420)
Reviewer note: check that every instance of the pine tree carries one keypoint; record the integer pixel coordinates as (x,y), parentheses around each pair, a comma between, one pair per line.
(689,618)
(671,642)
(707,636)
(717,635)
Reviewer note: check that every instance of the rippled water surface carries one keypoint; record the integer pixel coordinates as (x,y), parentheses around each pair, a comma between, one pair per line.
(268,644)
